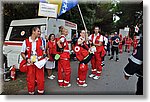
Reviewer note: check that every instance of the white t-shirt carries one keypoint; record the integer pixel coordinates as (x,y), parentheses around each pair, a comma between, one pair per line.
(106,40)
(24,47)
(81,39)
(62,39)
(100,39)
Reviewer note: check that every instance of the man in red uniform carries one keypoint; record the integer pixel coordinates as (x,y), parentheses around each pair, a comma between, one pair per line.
(128,42)
(120,43)
(64,69)
(84,56)
(32,51)
(97,40)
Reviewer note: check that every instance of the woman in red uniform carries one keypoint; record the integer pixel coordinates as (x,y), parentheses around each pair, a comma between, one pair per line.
(64,69)
(51,51)
(84,56)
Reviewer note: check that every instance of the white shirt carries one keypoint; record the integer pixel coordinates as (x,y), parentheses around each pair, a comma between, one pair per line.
(81,39)
(24,47)
(63,39)
(106,40)
(100,39)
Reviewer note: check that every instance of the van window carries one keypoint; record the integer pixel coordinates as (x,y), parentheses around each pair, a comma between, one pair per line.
(20,33)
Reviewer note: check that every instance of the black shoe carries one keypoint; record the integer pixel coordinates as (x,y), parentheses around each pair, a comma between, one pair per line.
(103,64)
(117,59)
(111,58)
(108,54)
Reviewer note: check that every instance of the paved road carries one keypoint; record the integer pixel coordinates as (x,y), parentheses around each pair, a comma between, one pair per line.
(111,81)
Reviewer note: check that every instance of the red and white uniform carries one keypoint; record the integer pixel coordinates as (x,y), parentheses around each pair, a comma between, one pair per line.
(120,43)
(64,69)
(81,54)
(33,73)
(100,52)
(135,42)
(128,42)
(52,49)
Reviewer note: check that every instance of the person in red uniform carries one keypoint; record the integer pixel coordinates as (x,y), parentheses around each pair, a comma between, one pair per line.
(135,43)
(32,51)
(64,69)
(129,43)
(97,40)
(84,55)
(51,51)
(125,43)
(120,43)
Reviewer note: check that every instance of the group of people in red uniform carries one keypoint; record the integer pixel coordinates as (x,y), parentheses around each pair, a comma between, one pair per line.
(128,42)
(86,48)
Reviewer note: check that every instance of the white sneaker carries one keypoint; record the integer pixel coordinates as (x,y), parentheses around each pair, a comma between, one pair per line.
(91,75)
(96,77)
(53,76)
(84,85)
(50,77)
(67,85)
(31,93)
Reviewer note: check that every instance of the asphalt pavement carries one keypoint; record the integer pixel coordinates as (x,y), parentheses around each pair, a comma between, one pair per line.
(111,82)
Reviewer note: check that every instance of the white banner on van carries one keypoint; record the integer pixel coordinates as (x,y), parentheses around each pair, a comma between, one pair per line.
(47,10)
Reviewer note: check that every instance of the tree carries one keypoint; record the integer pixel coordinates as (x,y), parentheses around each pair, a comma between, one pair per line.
(99,14)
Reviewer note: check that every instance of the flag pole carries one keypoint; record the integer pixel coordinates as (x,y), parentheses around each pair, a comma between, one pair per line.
(82,20)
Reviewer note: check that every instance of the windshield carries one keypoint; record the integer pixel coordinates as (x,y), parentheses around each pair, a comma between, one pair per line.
(20,33)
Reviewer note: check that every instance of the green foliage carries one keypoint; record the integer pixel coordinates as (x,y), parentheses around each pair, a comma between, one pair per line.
(99,14)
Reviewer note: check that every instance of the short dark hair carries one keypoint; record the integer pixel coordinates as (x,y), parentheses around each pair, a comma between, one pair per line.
(33,28)
(50,36)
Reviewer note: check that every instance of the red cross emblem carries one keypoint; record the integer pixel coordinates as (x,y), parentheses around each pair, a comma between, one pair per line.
(77,49)
(117,40)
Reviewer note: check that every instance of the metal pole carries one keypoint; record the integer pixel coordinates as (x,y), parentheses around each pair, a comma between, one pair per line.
(82,17)
(86,36)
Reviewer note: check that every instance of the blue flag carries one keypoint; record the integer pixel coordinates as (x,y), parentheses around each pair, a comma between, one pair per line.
(63,5)
(67,5)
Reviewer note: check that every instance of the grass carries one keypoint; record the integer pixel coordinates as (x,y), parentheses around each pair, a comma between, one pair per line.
(13,86)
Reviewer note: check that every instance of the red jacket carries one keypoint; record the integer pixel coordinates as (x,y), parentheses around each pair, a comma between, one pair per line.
(38,49)
(97,42)
(129,41)
(52,49)
(99,49)
(135,43)
(81,51)
(66,53)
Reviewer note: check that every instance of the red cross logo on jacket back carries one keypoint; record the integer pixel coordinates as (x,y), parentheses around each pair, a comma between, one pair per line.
(117,40)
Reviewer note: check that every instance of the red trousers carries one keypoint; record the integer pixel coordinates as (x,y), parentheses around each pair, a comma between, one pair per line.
(35,74)
(120,48)
(134,46)
(82,73)
(128,48)
(64,72)
(96,64)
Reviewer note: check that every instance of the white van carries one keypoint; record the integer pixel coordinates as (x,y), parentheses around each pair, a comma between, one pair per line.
(19,31)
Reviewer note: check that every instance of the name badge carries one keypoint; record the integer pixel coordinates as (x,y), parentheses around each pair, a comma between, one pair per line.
(33,58)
